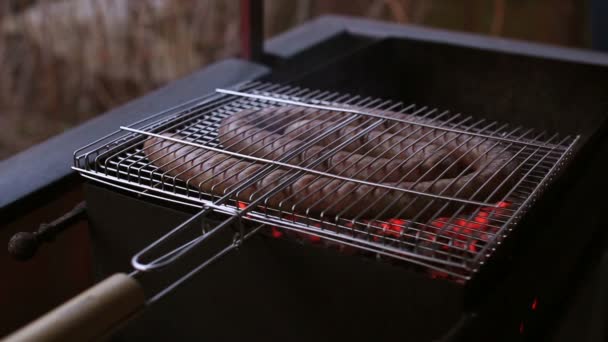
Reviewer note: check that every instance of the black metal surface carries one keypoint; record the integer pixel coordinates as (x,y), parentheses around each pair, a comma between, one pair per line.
(598,14)
(599,310)
(269,290)
(320,29)
(586,318)
(528,91)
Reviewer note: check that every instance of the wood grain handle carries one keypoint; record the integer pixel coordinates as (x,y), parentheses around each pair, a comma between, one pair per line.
(88,316)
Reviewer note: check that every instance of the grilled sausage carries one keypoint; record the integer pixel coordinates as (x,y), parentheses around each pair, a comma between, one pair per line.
(403,152)
(218,173)
(247,133)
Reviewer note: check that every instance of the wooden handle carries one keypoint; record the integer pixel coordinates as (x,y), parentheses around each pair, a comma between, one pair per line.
(89,315)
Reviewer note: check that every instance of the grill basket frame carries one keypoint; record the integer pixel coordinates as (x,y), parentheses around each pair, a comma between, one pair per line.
(114,160)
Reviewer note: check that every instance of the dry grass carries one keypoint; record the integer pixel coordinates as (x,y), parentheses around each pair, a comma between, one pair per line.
(64,61)
(67,60)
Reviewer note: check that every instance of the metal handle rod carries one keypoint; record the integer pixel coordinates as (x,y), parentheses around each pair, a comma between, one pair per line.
(162,261)
(171,256)
(204,264)
(23,245)
(180,251)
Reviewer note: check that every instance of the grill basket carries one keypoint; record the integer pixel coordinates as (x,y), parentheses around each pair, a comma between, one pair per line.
(453,231)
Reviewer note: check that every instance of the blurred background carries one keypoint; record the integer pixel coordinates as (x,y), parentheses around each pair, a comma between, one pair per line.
(65,61)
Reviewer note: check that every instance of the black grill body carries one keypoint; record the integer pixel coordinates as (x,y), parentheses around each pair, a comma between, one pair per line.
(280,290)
(269,289)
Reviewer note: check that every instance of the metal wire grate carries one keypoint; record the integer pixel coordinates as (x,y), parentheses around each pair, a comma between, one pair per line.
(436,189)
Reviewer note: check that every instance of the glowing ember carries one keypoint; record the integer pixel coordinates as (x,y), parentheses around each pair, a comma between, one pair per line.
(393,227)
(473,246)
(275,232)
(314,238)
(465,233)
(438,274)
(461,232)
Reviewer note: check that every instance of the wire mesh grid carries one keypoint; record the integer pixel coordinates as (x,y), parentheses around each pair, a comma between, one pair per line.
(436,189)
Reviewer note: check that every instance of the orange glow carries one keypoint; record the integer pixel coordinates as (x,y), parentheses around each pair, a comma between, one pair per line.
(463,232)
(314,238)
(438,274)
(473,247)
(276,233)
(503,204)
(534,303)
(393,227)
(439,223)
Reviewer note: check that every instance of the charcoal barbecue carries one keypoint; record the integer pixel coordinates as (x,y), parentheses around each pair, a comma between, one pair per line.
(183,161)
(202,157)
(346,202)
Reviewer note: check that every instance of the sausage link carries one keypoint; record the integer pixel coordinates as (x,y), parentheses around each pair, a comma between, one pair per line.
(239,133)
(217,173)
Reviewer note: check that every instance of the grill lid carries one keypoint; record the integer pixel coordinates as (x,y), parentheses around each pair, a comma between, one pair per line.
(413,183)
